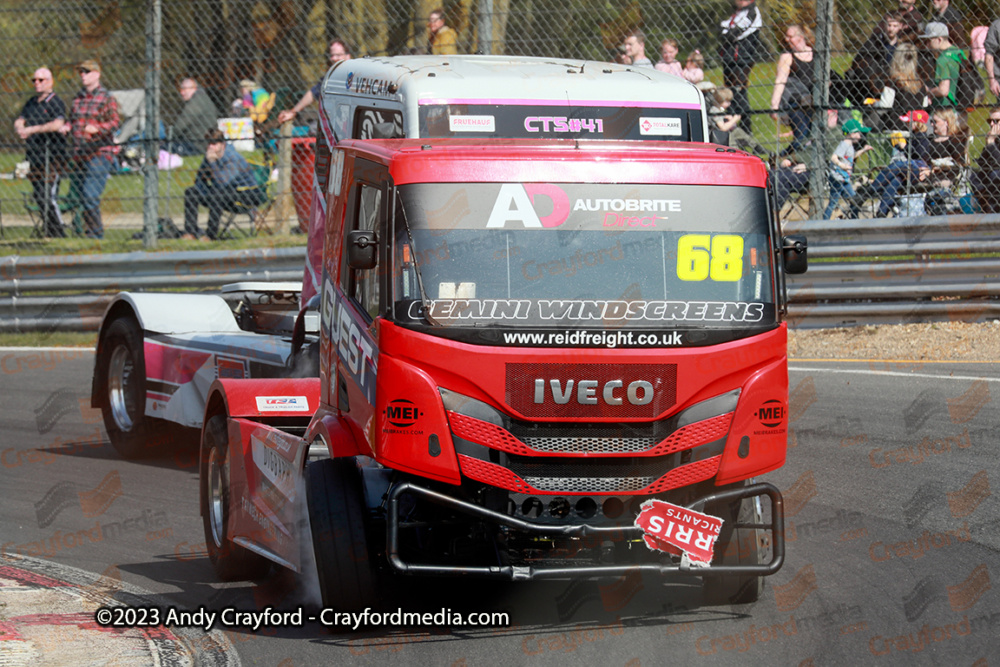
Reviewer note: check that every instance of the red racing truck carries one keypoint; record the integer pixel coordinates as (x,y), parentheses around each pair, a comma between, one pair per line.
(523,345)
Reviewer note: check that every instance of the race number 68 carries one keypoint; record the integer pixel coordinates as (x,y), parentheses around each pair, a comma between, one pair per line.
(703,256)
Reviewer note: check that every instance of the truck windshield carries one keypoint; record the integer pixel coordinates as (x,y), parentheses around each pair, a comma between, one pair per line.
(573,256)
(560,122)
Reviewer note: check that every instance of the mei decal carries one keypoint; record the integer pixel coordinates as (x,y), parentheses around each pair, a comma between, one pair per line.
(771,415)
(403,414)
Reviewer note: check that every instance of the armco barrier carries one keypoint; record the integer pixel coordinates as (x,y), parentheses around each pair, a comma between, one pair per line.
(70,292)
(879,271)
(897,270)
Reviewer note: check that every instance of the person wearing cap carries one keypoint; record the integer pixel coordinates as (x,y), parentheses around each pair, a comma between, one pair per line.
(223,178)
(339,51)
(842,164)
(944,11)
(39,124)
(946,67)
(92,123)
(910,161)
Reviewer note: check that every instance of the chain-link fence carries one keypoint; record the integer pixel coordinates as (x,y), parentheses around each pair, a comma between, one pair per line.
(852,60)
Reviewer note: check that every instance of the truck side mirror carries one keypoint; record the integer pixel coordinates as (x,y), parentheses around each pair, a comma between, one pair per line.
(362,249)
(794,249)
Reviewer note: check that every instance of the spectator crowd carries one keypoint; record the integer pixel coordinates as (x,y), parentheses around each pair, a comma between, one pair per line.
(904,101)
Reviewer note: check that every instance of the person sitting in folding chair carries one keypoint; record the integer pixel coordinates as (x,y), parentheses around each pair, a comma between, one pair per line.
(224,178)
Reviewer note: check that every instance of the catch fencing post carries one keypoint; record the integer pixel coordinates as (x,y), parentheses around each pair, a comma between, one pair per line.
(151,177)
(821,102)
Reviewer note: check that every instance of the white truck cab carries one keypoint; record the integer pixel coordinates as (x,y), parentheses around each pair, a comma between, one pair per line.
(508,97)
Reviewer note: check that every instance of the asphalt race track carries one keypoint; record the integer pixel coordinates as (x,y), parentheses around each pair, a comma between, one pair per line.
(892,540)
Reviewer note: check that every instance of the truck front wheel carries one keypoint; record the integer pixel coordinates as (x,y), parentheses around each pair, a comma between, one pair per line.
(231,561)
(123,404)
(347,578)
(737,546)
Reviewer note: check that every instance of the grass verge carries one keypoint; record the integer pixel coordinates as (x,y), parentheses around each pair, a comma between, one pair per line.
(49,339)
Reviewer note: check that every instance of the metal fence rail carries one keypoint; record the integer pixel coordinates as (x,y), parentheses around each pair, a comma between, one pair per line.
(940,269)
(43,294)
(864,272)
(147,48)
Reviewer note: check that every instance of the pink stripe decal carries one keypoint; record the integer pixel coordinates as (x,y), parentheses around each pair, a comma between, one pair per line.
(171,364)
(562,103)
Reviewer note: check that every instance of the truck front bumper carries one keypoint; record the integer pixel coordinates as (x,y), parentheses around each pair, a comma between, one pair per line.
(776,527)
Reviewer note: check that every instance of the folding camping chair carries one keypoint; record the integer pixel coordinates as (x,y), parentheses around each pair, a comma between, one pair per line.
(70,207)
(252,207)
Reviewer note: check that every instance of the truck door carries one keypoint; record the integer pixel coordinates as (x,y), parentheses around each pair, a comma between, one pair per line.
(361,297)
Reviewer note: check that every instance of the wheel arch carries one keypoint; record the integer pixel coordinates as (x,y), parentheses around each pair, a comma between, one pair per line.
(238,398)
(119,308)
(163,313)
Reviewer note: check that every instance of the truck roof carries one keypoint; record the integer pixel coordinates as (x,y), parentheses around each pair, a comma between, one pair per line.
(510,80)
(480,79)
(565,161)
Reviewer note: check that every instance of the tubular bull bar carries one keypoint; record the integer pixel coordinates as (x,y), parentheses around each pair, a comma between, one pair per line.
(525,573)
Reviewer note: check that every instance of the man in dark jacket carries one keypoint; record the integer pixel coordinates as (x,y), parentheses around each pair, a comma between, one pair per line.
(912,19)
(40,124)
(198,116)
(869,71)
(739,48)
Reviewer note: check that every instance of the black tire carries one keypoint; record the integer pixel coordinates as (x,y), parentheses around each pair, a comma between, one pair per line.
(231,561)
(123,390)
(737,546)
(347,578)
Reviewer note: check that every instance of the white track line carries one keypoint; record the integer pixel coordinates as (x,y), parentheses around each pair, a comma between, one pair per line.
(861,371)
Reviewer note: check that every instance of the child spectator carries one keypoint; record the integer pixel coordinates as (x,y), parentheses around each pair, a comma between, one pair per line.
(722,99)
(256,101)
(910,161)
(669,64)
(842,165)
(694,67)
(725,126)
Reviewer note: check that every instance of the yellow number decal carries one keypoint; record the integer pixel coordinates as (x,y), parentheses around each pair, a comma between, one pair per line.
(701,256)
(727,258)
(693,257)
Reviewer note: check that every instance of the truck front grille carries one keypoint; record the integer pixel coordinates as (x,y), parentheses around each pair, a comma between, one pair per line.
(504,478)
(499,438)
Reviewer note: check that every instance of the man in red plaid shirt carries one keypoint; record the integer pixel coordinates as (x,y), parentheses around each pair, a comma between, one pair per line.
(93,121)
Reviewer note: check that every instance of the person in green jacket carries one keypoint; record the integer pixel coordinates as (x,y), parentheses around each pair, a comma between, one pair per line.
(198,116)
(947,66)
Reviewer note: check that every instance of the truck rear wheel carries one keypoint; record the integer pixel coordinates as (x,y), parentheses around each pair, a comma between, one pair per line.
(231,561)
(123,403)
(347,579)
(737,546)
